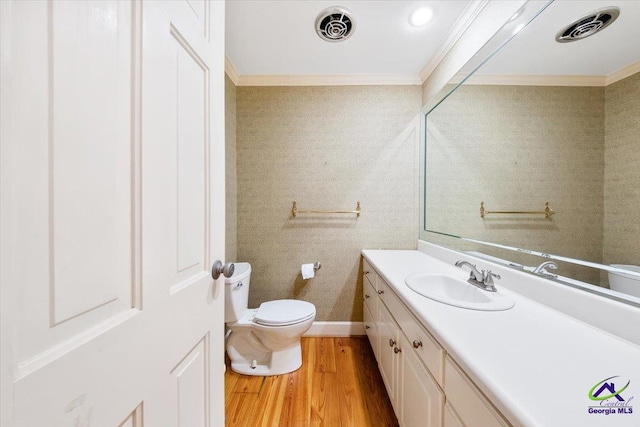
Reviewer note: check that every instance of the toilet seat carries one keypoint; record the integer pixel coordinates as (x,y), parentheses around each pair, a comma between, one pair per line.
(284,312)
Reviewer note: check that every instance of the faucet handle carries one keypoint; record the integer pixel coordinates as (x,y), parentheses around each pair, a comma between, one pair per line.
(487,277)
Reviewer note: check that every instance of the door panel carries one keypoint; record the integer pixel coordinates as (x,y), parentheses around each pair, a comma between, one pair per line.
(191,130)
(192,378)
(78,257)
(134,419)
(85,145)
(112,213)
(201,11)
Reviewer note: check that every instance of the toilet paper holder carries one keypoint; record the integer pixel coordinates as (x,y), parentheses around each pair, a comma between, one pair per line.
(308,271)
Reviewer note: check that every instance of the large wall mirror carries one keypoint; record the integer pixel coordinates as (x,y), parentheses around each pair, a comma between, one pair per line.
(532,120)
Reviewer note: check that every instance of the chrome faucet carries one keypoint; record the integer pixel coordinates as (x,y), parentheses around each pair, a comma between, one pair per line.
(482,279)
(542,269)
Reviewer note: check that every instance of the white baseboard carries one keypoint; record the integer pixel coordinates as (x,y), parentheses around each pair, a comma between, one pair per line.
(335,329)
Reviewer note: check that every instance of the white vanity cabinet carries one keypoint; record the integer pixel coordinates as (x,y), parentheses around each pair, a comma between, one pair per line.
(414,393)
(415,368)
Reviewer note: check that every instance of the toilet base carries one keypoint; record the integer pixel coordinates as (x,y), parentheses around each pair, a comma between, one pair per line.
(275,363)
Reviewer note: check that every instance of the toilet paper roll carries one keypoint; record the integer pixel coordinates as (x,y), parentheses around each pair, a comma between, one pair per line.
(307,271)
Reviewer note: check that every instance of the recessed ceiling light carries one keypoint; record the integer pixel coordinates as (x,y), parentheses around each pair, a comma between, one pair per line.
(420,16)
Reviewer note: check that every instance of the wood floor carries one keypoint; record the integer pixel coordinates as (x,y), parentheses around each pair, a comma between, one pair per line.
(338,385)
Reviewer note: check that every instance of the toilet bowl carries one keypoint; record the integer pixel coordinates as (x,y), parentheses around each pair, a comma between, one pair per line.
(264,340)
(626,283)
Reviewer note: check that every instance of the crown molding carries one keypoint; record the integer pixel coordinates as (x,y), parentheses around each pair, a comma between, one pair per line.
(623,73)
(231,70)
(462,24)
(329,80)
(517,80)
(410,80)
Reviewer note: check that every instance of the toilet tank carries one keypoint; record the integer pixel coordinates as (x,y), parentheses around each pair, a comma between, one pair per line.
(236,292)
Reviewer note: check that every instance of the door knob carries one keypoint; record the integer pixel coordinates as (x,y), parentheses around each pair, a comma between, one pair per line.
(226,270)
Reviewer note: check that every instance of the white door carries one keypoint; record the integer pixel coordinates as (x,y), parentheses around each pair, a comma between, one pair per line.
(112,212)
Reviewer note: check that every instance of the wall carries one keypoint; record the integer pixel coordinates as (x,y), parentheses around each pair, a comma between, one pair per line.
(326,148)
(231,193)
(516,147)
(622,172)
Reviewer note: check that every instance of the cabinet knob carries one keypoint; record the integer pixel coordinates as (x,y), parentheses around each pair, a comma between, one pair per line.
(367,327)
(366,272)
(396,350)
(366,296)
(391,342)
(417,344)
(380,292)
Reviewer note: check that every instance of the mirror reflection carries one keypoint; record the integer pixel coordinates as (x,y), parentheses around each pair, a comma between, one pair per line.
(544,121)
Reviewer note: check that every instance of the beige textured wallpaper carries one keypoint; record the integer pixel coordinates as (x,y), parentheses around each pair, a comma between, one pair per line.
(231,192)
(516,147)
(326,148)
(622,172)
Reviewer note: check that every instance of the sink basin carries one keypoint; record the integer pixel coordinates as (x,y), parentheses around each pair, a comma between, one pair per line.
(456,292)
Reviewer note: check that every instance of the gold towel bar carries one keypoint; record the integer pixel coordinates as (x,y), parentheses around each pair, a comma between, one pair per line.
(547,212)
(295,211)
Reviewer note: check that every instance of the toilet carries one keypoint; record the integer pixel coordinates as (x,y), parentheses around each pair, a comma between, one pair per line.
(265,340)
(626,283)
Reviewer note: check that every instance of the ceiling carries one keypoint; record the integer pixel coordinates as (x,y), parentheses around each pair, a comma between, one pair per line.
(277,38)
(535,51)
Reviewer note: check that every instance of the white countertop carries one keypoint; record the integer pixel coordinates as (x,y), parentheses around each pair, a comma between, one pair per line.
(535,364)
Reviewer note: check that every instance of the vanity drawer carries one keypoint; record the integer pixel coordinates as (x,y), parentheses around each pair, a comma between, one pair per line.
(370,296)
(368,274)
(387,296)
(469,402)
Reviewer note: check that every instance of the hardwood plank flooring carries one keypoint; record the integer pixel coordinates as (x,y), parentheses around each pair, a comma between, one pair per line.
(338,385)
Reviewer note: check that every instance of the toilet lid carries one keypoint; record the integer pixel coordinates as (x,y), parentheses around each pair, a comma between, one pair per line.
(284,312)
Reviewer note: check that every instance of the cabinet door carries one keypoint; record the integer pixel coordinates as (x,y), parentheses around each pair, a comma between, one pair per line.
(421,400)
(467,400)
(372,331)
(451,418)
(388,332)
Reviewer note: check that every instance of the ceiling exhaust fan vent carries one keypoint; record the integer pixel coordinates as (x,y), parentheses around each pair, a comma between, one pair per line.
(335,24)
(588,25)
